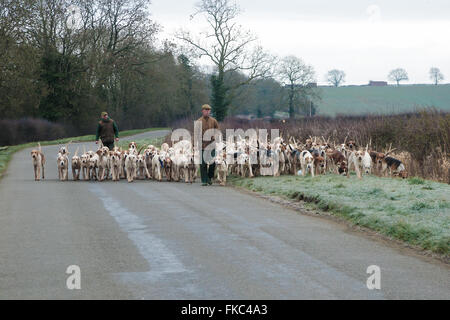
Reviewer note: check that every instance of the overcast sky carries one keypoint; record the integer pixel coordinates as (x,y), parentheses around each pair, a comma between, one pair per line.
(364,38)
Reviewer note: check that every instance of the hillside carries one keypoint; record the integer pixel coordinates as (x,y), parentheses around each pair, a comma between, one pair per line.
(382,100)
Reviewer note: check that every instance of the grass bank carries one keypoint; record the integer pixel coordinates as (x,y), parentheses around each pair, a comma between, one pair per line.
(7,152)
(415,211)
(143,142)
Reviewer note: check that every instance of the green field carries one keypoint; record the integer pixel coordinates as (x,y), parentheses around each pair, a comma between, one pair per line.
(413,210)
(354,100)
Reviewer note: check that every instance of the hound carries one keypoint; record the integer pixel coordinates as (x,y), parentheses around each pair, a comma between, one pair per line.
(148,155)
(164,147)
(367,163)
(76,166)
(243,163)
(356,159)
(395,167)
(64,150)
(84,165)
(338,162)
(192,168)
(180,166)
(132,148)
(157,165)
(142,171)
(221,168)
(377,160)
(130,165)
(93,165)
(63,166)
(38,160)
(103,163)
(169,167)
(123,170)
(307,162)
(351,146)
(116,164)
(319,162)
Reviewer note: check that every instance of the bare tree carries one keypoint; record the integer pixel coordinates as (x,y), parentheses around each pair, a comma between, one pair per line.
(229,47)
(335,77)
(436,75)
(398,75)
(297,76)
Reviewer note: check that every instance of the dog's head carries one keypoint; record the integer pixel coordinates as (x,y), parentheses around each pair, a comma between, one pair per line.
(140,159)
(131,158)
(115,156)
(35,154)
(63,150)
(359,155)
(403,174)
(62,160)
(93,161)
(105,151)
(84,159)
(76,160)
(379,158)
(309,160)
(351,145)
(132,146)
(342,167)
(319,162)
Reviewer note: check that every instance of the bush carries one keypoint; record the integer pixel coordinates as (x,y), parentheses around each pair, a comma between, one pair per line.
(29,130)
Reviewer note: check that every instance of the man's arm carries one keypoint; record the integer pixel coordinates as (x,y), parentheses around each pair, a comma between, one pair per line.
(116,130)
(97,134)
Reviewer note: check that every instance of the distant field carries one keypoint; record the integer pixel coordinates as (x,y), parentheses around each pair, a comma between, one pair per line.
(383,100)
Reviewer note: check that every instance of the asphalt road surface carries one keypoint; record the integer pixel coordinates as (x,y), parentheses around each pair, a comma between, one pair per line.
(150,240)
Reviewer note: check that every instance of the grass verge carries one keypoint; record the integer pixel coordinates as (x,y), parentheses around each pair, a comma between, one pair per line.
(7,152)
(415,211)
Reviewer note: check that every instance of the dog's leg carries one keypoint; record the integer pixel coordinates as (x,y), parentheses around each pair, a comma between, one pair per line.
(42,168)
(250,170)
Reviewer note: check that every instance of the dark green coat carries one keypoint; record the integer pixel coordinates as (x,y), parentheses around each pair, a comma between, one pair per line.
(106,131)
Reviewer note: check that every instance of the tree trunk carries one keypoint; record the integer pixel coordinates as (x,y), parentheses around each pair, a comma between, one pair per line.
(218,98)
(291,102)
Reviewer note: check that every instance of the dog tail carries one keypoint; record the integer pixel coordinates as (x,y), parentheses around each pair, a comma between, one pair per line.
(39,146)
(76,152)
(139,152)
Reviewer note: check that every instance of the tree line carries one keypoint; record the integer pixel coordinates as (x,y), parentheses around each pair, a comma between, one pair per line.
(65,61)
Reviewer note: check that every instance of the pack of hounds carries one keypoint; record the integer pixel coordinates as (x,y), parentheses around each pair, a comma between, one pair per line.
(316,156)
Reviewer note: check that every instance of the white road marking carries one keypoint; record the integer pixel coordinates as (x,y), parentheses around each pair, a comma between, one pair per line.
(160,258)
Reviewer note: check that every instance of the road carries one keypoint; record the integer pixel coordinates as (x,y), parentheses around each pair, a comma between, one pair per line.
(150,240)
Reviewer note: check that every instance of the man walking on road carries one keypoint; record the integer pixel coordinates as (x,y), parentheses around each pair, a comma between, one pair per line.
(208,122)
(107,131)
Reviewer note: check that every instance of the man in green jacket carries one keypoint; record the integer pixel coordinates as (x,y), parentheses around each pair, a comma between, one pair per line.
(107,131)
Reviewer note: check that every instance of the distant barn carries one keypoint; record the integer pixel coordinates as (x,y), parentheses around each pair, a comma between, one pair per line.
(378,83)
